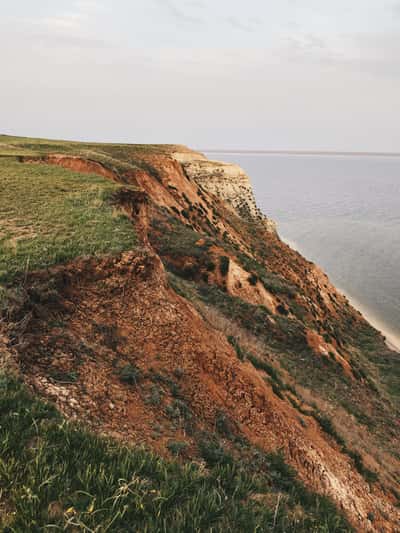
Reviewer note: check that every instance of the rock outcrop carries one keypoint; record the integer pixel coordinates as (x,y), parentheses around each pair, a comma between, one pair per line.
(228,182)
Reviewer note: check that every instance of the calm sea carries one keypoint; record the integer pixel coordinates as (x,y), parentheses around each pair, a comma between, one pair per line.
(343,213)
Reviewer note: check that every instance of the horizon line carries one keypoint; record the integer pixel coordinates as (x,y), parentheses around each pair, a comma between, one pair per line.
(301,152)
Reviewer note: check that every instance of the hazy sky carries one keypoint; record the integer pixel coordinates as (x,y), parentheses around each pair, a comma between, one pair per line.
(274,74)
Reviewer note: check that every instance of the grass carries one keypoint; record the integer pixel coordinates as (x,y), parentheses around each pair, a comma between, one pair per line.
(56,476)
(285,333)
(271,281)
(120,158)
(239,352)
(39,146)
(177,240)
(184,250)
(130,374)
(386,362)
(50,215)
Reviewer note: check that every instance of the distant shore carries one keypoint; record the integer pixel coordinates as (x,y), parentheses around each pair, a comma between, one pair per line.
(302,152)
(392,339)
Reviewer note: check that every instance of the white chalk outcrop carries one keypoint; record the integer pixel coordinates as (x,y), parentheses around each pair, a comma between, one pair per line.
(228,182)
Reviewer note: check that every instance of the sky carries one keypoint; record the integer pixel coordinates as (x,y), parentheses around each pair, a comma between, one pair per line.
(211,74)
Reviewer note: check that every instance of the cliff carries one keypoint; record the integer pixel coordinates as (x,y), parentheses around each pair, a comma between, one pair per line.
(143,295)
(227,182)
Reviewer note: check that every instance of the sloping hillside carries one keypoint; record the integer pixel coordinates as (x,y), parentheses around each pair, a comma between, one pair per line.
(145,296)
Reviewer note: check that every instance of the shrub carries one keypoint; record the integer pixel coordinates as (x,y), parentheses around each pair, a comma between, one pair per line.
(277,390)
(64,377)
(298,310)
(179,412)
(282,310)
(239,352)
(328,427)
(130,374)
(210,266)
(177,447)
(223,425)
(253,279)
(178,372)
(167,381)
(213,453)
(368,475)
(224,265)
(177,240)
(251,316)
(260,364)
(155,396)
(271,281)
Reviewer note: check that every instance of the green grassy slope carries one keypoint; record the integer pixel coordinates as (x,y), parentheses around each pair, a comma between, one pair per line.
(24,145)
(56,477)
(50,215)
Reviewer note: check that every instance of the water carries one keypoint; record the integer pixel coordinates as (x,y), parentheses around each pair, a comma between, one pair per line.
(342,212)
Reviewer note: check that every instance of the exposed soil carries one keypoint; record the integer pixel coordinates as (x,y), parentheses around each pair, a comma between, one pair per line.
(120,311)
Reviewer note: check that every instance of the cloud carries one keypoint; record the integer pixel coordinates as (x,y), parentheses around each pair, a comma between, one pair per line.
(239,24)
(89,5)
(67,21)
(66,40)
(307,47)
(75,26)
(196,3)
(181,14)
(74,19)
(375,54)
(193,12)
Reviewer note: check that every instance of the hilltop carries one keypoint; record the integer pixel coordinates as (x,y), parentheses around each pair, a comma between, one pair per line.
(168,362)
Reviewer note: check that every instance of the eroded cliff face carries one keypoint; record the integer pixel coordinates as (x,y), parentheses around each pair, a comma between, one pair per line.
(220,323)
(226,181)
(122,311)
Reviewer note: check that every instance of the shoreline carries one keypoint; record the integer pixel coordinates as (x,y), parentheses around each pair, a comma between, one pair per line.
(392,339)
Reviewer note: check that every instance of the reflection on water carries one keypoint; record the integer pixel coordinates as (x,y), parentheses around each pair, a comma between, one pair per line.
(343,213)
